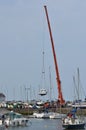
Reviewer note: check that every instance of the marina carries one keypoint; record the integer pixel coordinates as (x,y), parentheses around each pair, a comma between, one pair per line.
(42,120)
(26,104)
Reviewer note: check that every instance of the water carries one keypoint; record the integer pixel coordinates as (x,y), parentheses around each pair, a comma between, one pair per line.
(41,124)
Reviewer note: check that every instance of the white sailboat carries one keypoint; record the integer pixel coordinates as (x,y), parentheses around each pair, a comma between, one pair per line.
(73,122)
(15,119)
(42,92)
(56,115)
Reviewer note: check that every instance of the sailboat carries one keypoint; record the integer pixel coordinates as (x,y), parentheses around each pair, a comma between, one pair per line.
(43,91)
(72,121)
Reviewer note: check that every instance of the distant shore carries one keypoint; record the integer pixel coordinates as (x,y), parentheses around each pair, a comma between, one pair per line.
(29,111)
(58,110)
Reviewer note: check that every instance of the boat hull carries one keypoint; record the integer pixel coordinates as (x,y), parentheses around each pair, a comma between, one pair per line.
(16,122)
(74,126)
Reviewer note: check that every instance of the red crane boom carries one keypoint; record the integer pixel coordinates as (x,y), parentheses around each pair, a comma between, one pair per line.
(60,96)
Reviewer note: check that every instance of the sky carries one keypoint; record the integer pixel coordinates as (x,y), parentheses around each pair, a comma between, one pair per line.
(23,36)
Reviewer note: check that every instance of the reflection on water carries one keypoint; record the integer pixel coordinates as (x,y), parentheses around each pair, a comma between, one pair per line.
(42,124)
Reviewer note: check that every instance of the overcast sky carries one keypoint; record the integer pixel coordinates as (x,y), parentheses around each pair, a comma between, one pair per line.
(24,32)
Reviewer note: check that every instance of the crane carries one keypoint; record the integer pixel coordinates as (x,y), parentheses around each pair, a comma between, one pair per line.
(60,95)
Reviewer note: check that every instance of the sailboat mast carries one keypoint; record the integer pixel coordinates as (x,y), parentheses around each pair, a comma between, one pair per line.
(50,83)
(78,83)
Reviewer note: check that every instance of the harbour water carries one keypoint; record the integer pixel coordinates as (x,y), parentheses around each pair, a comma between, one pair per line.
(41,124)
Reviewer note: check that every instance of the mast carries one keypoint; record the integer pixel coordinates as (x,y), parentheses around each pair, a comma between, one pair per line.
(50,83)
(60,96)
